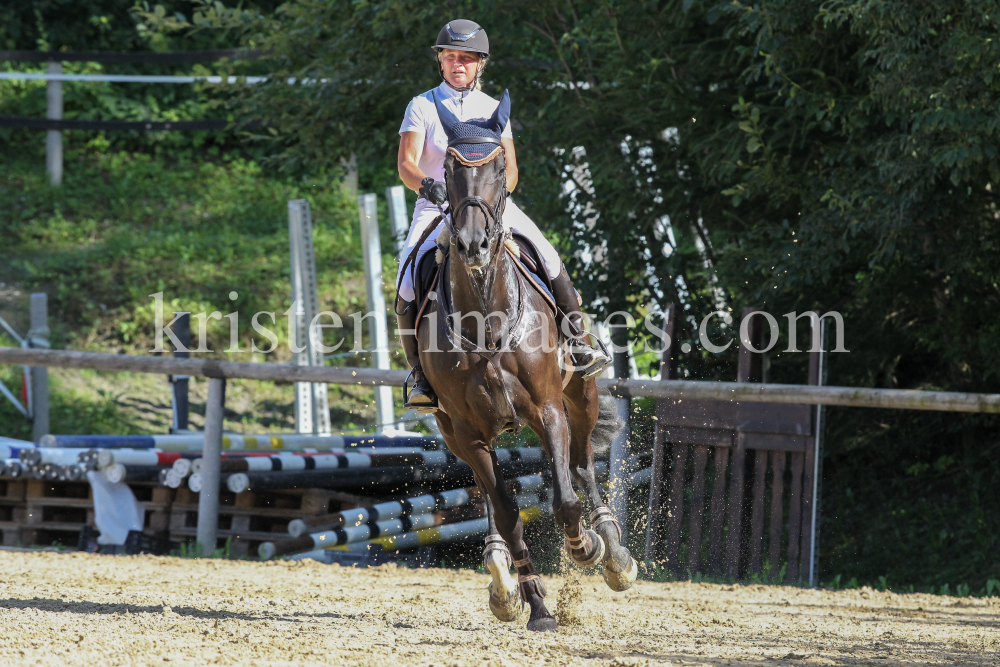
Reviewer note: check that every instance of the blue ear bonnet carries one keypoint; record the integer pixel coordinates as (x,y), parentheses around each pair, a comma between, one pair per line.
(475,140)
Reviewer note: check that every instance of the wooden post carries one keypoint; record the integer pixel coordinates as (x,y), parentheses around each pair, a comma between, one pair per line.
(657,513)
(748,370)
(699,462)
(208,498)
(54,138)
(38,337)
(179,384)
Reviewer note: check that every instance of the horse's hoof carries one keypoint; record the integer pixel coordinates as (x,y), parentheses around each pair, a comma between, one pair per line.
(505,607)
(544,624)
(620,580)
(595,558)
(505,597)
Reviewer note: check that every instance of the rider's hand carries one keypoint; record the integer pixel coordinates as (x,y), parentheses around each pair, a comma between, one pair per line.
(433,191)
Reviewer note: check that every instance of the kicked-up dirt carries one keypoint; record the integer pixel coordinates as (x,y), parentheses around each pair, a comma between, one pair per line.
(80,609)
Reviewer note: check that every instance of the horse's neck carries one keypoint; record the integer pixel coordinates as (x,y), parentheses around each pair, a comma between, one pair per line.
(469,295)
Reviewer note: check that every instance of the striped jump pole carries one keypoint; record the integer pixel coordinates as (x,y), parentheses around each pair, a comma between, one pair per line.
(119,472)
(10,449)
(457,473)
(12,468)
(347,535)
(237,442)
(39,455)
(452,532)
(130,457)
(149,457)
(332,461)
(421,504)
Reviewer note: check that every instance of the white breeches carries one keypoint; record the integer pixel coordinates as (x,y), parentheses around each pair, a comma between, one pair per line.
(513,218)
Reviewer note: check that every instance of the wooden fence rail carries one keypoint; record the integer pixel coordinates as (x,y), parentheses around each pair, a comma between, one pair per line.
(219,371)
(899,399)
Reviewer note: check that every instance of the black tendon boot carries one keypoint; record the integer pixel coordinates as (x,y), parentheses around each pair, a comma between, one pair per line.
(587,360)
(421,397)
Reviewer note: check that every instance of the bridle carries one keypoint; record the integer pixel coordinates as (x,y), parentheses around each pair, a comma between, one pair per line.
(493,213)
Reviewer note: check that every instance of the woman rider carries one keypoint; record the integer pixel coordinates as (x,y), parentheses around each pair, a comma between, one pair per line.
(463,50)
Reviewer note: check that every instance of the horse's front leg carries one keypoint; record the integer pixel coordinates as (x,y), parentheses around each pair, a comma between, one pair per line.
(584,547)
(505,595)
(507,522)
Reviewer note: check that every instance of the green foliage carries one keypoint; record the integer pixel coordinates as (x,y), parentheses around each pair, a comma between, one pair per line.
(110,26)
(70,411)
(124,227)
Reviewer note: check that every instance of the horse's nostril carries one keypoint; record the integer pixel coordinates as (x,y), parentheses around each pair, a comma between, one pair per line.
(484,244)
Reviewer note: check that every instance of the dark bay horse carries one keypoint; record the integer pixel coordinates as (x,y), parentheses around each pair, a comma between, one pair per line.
(491,348)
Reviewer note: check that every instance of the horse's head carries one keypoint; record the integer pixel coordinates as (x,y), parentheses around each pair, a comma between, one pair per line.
(475,173)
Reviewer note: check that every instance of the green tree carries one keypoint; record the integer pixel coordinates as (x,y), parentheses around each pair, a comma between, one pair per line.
(791,155)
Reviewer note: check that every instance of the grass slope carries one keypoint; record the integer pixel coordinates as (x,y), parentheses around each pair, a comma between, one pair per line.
(126,226)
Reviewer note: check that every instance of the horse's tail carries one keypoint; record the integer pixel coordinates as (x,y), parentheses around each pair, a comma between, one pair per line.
(608,425)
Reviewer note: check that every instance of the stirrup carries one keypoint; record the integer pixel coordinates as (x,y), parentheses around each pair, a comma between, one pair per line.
(424,408)
(596,366)
(601,356)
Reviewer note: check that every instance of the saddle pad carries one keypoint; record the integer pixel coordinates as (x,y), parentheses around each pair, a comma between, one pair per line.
(424,278)
(427,271)
(539,283)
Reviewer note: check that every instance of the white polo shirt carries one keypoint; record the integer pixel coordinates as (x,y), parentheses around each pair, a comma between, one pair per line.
(422,117)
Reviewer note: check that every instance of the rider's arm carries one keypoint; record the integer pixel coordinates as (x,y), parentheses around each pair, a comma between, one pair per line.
(511,156)
(411,147)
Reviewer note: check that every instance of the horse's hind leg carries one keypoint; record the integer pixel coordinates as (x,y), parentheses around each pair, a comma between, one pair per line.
(585,413)
(504,592)
(584,547)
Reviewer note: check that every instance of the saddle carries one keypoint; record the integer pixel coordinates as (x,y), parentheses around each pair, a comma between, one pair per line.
(432,269)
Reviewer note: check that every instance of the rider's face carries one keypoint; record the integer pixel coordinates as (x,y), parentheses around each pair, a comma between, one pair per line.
(460,67)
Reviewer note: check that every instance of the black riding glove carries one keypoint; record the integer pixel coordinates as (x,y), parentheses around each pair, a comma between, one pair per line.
(433,191)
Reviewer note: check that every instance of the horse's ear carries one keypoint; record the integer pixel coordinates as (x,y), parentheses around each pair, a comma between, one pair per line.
(446,117)
(502,114)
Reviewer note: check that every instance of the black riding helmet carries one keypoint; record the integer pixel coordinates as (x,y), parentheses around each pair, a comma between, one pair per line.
(462,35)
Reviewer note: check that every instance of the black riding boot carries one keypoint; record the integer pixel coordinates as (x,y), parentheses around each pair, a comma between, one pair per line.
(421,397)
(587,360)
